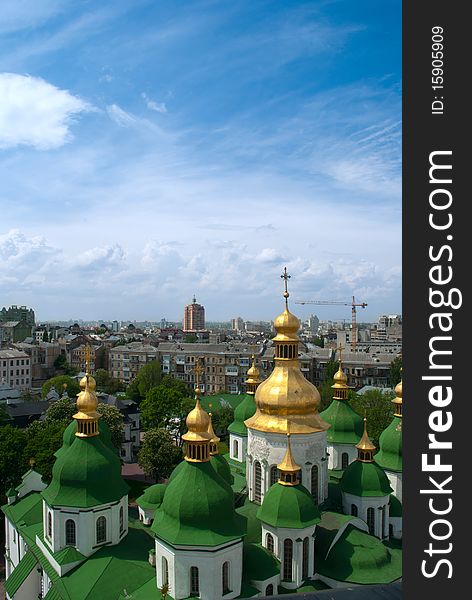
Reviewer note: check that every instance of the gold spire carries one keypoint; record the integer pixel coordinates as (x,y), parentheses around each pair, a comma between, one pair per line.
(289,470)
(87,415)
(365,448)
(398,400)
(253,377)
(197,437)
(214,439)
(286,399)
(340,386)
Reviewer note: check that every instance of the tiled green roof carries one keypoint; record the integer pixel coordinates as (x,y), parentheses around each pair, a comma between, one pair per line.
(244,410)
(390,442)
(346,424)
(220,465)
(86,474)
(396,508)
(288,506)
(23,569)
(359,558)
(198,508)
(258,563)
(152,496)
(249,511)
(365,479)
(27,510)
(70,431)
(53,594)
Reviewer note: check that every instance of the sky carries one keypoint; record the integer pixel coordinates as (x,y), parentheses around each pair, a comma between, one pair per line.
(151,150)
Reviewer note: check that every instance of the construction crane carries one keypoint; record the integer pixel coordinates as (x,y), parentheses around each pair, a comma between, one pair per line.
(353,305)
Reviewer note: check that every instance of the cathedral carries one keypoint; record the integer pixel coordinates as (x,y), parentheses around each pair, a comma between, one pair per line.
(302,502)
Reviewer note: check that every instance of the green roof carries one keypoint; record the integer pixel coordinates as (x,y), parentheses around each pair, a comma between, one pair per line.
(86,474)
(69,436)
(152,496)
(288,506)
(198,508)
(254,530)
(346,425)
(389,455)
(245,410)
(258,563)
(396,508)
(23,569)
(365,479)
(359,558)
(221,466)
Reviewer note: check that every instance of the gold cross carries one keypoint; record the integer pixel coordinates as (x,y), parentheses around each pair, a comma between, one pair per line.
(198,371)
(88,357)
(285,276)
(339,349)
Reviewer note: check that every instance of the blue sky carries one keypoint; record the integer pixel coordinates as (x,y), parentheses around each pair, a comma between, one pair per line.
(150,150)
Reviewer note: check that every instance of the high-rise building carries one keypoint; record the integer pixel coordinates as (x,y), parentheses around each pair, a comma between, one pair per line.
(194,316)
(17,313)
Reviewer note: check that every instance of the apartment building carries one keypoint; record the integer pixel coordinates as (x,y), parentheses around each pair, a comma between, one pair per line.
(194,317)
(125,361)
(15,368)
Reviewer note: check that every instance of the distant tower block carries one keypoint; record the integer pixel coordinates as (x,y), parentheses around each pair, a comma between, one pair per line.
(194,316)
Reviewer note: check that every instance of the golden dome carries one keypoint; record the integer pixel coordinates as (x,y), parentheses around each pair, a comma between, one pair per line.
(253,372)
(398,400)
(198,422)
(398,389)
(340,378)
(365,446)
(286,325)
(88,379)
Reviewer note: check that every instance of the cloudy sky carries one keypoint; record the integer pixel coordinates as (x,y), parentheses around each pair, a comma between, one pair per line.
(153,149)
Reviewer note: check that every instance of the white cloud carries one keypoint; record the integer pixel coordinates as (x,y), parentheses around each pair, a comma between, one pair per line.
(35,113)
(159,107)
(26,14)
(120,116)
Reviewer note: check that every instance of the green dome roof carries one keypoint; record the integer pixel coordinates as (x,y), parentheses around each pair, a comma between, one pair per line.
(86,474)
(288,506)
(221,466)
(152,496)
(245,410)
(198,508)
(258,563)
(346,425)
(389,456)
(358,557)
(396,508)
(365,479)
(69,436)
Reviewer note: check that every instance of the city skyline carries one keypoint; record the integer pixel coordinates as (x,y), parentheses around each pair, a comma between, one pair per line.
(153,151)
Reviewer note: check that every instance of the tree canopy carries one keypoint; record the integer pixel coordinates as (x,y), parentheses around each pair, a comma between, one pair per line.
(379,410)
(106,383)
(158,455)
(12,465)
(114,419)
(166,404)
(395,371)
(148,376)
(58,382)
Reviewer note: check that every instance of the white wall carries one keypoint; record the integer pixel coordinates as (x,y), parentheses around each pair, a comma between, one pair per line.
(240,456)
(336,451)
(365,502)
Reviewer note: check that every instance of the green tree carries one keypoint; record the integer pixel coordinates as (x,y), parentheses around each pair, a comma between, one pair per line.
(164,404)
(4,416)
(325,389)
(379,410)
(61,362)
(44,438)
(190,338)
(395,371)
(114,419)
(148,376)
(12,465)
(45,336)
(158,455)
(106,383)
(221,418)
(319,341)
(61,410)
(73,387)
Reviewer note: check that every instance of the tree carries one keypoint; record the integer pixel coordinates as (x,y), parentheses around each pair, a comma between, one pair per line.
(43,439)
(379,410)
(58,382)
(190,338)
(148,376)
(396,371)
(106,383)
(12,465)
(164,404)
(114,419)
(221,418)
(45,336)
(158,455)
(61,411)
(325,389)
(4,416)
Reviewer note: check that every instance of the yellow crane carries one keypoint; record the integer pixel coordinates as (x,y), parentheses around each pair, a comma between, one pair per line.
(352,304)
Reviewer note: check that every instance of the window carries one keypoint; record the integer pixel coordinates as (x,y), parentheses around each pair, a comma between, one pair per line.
(225,577)
(371,520)
(306,552)
(235,448)
(274,475)
(121,519)
(101,530)
(314,482)
(383,522)
(70,532)
(269,590)
(257,482)
(288,553)
(194,582)
(344,460)
(165,571)
(49,524)
(354,512)
(269,543)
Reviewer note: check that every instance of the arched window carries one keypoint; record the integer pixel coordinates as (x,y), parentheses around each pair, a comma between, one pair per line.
(121,519)
(306,553)
(354,512)
(257,482)
(269,590)
(344,460)
(274,475)
(390,530)
(235,448)
(288,555)
(383,521)
(49,524)
(194,582)
(371,520)
(314,482)
(70,532)
(270,543)
(101,529)
(225,577)
(165,571)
